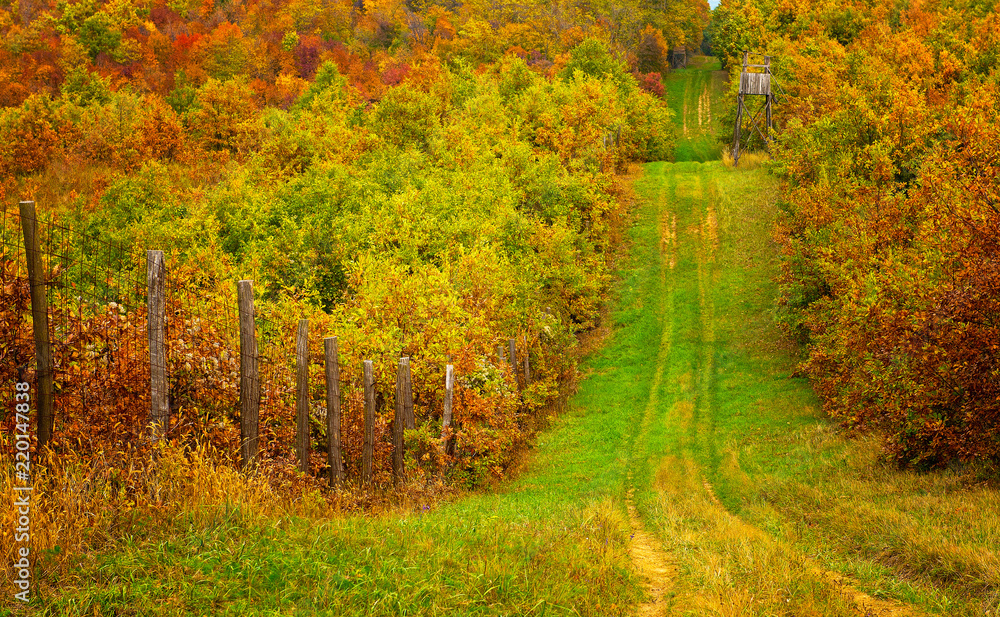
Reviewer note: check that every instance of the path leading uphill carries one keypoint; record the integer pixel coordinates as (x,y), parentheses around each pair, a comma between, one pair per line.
(691,475)
(717,362)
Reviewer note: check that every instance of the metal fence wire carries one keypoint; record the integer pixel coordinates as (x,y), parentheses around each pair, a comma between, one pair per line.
(97,307)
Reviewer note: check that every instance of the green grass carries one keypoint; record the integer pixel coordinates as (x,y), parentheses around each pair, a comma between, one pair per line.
(694,95)
(532,550)
(715,384)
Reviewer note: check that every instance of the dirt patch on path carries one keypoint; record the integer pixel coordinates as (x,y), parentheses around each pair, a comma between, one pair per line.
(655,566)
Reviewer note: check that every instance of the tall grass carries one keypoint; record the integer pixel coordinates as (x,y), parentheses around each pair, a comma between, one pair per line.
(78,505)
(748,160)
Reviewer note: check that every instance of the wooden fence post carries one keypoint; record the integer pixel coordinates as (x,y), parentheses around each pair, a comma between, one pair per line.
(249,376)
(302,395)
(527,365)
(404,418)
(336,459)
(500,356)
(398,422)
(409,421)
(449,395)
(39,321)
(512,344)
(366,462)
(159,407)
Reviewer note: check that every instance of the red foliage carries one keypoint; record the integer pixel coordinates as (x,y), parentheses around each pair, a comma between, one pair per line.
(307,56)
(652,83)
(393,75)
(184,42)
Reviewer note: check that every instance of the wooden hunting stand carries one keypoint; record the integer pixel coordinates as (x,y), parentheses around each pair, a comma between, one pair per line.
(755,80)
(678,58)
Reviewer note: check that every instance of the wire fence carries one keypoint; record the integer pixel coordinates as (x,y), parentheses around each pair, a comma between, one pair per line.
(97,310)
(105,389)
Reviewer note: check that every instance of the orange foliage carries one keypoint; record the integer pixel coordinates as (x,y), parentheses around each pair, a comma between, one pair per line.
(889,237)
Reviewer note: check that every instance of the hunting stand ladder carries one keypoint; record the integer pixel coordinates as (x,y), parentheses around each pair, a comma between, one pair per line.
(755,80)
(678,58)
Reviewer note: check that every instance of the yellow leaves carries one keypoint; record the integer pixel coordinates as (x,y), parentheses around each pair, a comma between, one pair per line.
(126,13)
(289,87)
(480,40)
(225,115)
(949,67)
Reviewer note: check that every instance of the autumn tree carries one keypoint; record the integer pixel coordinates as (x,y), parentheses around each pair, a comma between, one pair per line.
(737,26)
(223,115)
(652,51)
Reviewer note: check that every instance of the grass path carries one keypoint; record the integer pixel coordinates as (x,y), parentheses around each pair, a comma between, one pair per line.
(734,439)
(654,565)
(692,475)
(707,383)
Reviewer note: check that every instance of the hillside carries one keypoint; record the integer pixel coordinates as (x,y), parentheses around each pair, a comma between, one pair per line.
(692,474)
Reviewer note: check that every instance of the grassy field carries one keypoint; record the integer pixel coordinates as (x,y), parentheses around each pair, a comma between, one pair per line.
(693,474)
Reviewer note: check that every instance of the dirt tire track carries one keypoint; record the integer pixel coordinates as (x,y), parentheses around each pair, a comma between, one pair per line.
(655,566)
(658,570)
(705,234)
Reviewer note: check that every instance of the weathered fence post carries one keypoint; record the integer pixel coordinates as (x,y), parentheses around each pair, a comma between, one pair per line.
(527,365)
(398,422)
(446,417)
(302,395)
(336,459)
(409,421)
(403,419)
(500,356)
(39,320)
(513,359)
(159,407)
(249,376)
(366,459)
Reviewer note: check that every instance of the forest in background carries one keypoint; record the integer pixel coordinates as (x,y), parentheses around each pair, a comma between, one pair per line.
(891,227)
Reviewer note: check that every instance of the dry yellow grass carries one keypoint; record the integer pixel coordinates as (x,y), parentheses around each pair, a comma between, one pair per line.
(939,531)
(748,160)
(78,505)
(728,566)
